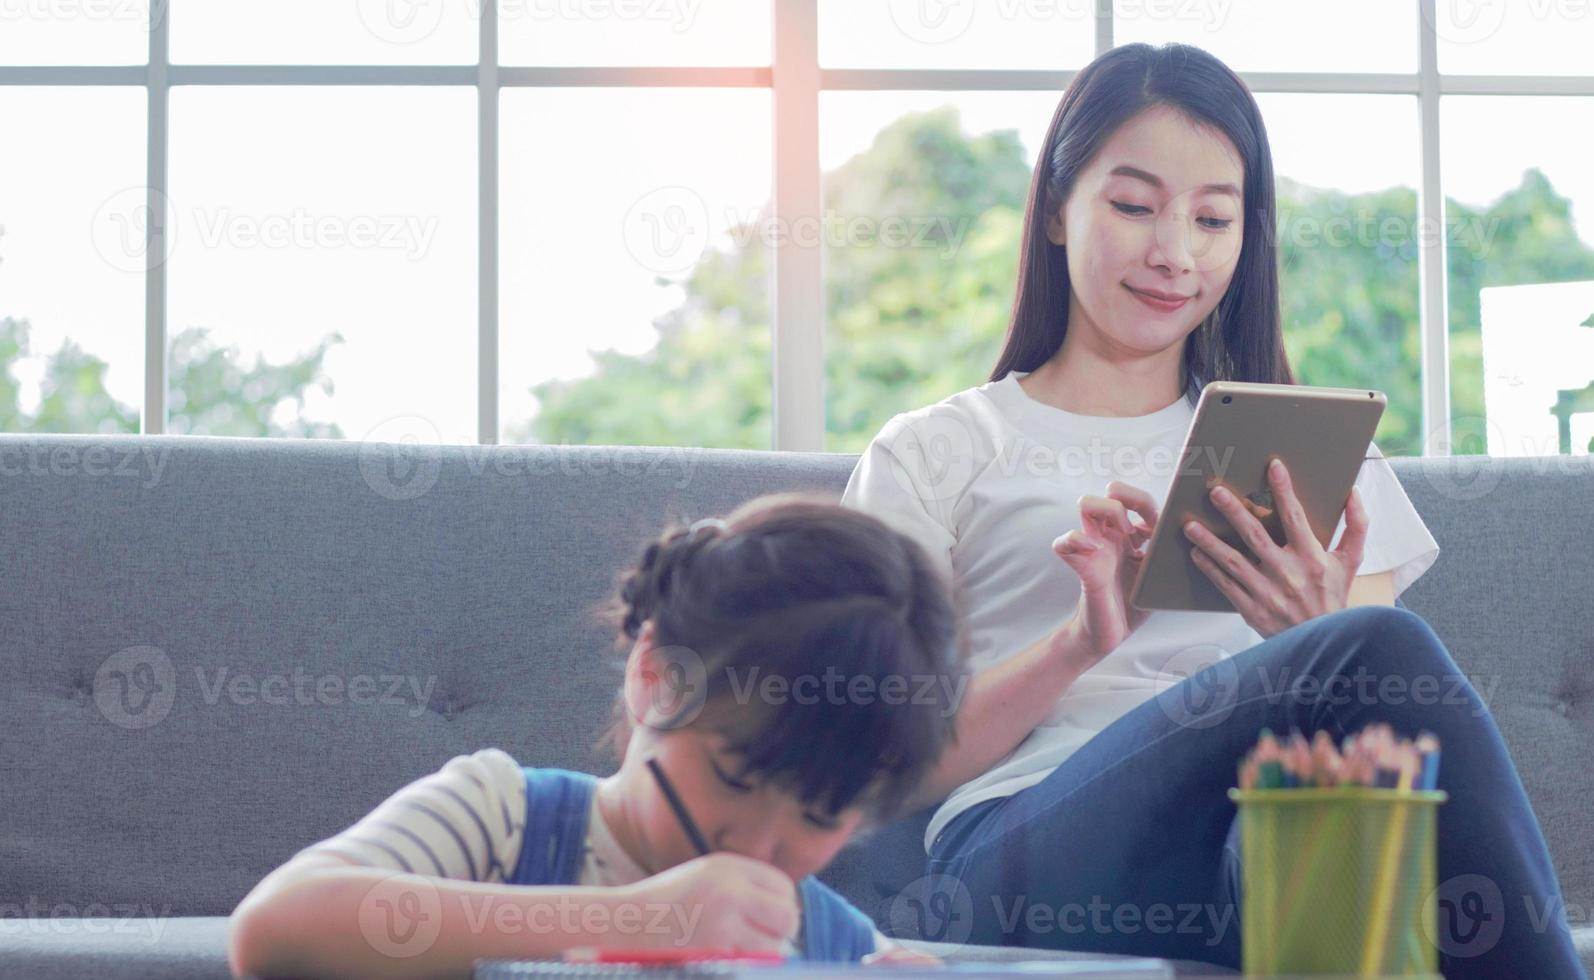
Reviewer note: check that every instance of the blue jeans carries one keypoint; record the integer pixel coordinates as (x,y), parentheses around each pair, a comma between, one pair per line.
(1131,845)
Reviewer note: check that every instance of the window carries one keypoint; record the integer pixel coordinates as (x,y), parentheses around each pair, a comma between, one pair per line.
(1520,209)
(323,269)
(309,32)
(643,32)
(73,208)
(636,311)
(1265,35)
(37,32)
(1348,241)
(1539,37)
(551,167)
(923,198)
(955,34)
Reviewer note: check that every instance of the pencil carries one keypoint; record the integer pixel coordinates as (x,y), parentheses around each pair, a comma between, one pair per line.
(692,833)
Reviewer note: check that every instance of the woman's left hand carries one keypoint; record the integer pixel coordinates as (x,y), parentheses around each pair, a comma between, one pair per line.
(1289,584)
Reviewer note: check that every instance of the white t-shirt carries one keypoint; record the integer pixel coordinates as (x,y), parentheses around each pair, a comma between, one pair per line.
(466,821)
(988,478)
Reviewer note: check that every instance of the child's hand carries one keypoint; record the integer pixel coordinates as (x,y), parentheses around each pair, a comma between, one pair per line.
(723,900)
(895,955)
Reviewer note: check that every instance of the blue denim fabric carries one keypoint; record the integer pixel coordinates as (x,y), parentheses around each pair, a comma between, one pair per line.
(1130,846)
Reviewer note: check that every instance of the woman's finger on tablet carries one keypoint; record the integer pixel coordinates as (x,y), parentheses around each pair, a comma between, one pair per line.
(1354,537)
(1297,529)
(1237,566)
(1250,529)
(1244,604)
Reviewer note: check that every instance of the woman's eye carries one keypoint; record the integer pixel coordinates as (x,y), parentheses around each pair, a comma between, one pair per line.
(1211,224)
(822,822)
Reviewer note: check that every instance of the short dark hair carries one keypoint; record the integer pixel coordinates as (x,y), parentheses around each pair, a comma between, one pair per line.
(795,586)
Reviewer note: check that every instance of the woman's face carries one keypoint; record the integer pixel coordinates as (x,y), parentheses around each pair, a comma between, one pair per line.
(1158,210)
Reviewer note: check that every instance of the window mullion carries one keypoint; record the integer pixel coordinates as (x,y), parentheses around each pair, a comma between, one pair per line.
(1433,300)
(1104,17)
(158,236)
(487,92)
(798,303)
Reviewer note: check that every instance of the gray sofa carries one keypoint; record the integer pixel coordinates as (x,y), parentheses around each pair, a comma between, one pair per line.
(216,651)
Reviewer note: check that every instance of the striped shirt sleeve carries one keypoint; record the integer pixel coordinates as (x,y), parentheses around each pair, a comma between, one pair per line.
(464,821)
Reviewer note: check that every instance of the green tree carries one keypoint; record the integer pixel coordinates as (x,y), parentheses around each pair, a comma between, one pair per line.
(211,391)
(910,325)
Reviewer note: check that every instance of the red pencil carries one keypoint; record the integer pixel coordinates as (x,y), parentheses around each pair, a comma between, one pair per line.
(597,954)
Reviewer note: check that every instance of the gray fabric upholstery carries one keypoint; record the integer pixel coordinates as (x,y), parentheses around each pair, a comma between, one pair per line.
(459,583)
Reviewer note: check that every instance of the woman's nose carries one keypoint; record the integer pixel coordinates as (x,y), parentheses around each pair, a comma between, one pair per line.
(1173,246)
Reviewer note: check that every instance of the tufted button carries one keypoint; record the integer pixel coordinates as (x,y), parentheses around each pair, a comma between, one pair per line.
(1563,708)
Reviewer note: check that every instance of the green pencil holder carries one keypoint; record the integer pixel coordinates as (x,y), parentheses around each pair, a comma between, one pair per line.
(1338,880)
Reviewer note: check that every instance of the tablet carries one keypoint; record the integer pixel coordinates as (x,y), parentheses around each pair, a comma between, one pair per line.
(1321,434)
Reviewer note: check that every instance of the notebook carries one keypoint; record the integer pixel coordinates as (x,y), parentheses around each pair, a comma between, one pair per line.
(1120,968)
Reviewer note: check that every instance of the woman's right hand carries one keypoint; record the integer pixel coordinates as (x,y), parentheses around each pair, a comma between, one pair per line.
(1105,552)
(724,900)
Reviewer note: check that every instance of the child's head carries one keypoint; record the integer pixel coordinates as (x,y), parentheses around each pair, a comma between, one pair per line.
(795,671)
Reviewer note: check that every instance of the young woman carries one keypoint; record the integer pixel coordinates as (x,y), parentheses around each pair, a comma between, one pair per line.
(1089,775)
(489,859)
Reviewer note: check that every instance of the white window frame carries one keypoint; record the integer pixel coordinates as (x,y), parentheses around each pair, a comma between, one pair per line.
(795,78)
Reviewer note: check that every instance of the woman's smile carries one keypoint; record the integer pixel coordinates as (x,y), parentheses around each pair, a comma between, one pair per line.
(1159,301)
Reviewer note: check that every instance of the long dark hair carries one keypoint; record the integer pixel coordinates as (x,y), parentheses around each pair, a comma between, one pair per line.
(791,585)
(1241,340)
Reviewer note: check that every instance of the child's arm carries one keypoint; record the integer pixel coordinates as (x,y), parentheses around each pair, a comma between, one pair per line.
(417,887)
(321,915)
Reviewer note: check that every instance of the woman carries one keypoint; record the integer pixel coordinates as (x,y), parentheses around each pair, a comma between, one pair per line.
(1085,802)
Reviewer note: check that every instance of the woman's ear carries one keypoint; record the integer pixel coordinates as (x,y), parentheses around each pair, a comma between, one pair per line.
(1054,226)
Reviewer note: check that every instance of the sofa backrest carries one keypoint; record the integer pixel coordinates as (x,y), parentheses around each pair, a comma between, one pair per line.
(217,651)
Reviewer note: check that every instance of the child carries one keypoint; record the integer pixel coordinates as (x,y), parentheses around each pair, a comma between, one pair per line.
(792,677)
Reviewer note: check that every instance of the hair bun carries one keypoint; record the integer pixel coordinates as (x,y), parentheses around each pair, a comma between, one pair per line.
(646,587)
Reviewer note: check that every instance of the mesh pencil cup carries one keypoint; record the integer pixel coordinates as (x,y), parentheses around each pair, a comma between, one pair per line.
(1338,879)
